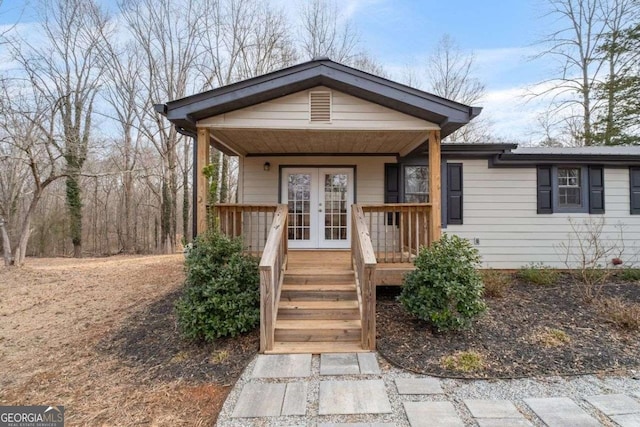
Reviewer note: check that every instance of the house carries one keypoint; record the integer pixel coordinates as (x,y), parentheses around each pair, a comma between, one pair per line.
(343,176)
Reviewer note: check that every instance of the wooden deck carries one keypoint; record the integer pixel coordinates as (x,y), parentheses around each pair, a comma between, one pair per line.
(387,274)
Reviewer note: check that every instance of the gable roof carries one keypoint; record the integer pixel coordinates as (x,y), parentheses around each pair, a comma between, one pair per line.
(449,115)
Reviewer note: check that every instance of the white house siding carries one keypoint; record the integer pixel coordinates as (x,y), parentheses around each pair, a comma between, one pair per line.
(500,211)
(292,112)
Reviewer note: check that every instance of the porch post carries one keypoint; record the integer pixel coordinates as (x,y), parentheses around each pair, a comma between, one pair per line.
(435,223)
(201,186)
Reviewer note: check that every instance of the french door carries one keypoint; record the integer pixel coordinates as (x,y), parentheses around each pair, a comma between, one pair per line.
(319,201)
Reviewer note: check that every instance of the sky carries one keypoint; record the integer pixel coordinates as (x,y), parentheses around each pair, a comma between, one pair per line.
(400,34)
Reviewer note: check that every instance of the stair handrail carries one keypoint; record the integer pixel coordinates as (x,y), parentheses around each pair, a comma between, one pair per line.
(272,266)
(363,261)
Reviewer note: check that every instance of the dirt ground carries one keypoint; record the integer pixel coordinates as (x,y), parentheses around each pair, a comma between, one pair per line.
(512,335)
(98,336)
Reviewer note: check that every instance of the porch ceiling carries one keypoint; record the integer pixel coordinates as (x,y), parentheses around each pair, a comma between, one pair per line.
(315,141)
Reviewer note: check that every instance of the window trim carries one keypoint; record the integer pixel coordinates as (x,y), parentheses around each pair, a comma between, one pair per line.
(584,189)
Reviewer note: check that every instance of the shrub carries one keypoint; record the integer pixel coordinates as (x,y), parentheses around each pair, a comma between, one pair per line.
(624,315)
(496,283)
(539,274)
(222,291)
(445,288)
(464,361)
(629,274)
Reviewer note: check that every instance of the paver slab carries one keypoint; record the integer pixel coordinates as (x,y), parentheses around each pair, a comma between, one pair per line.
(492,409)
(259,400)
(560,412)
(368,364)
(418,386)
(295,399)
(627,420)
(503,422)
(339,364)
(615,404)
(282,366)
(356,425)
(432,414)
(353,397)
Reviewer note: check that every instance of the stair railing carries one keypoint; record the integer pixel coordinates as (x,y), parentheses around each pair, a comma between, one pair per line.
(363,261)
(272,267)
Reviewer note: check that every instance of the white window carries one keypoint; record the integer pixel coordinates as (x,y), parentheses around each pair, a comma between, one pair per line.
(416,184)
(569,188)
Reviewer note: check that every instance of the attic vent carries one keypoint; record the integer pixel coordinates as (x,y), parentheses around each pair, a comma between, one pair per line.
(320,106)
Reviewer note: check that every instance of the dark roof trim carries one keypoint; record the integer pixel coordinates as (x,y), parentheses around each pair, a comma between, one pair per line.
(527,160)
(466,150)
(448,114)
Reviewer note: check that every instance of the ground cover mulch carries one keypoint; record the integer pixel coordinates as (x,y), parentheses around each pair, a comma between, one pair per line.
(150,340)
(509,334)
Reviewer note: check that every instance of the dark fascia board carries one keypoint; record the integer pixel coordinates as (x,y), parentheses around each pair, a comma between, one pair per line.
(462,150)
(523,160)
(448,114)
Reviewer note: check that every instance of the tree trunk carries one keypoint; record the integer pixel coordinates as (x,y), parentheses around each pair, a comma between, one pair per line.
(6,244)
(224,179)
(74,204)
(20,251)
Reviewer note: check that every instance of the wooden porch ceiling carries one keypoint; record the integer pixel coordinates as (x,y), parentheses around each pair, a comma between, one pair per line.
(242,141)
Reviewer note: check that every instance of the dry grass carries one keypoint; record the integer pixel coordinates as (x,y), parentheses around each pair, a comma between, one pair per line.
(496,283)
(551,337)
(464,361)
(623,314)
(53,313)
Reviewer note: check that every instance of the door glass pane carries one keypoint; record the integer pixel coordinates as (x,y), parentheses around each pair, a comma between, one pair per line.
(335,206)
(299,192)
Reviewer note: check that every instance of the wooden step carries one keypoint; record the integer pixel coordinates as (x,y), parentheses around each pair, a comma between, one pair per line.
(318,291)
(316,347)
(336,310)
(318,330)
(305,276)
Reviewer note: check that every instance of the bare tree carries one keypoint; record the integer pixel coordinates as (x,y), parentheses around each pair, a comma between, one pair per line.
(28,124)
(575,48)
(66,71)
(450,74)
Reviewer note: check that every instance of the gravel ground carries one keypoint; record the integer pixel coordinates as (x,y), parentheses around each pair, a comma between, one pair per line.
(575,387)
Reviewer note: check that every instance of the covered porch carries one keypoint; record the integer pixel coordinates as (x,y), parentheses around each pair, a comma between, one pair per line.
(315,144)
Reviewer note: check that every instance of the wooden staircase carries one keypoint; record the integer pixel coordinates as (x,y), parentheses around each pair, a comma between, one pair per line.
(318,311)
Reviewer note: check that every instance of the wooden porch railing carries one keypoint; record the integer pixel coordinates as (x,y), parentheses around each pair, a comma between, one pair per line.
(398,230)
(272,266)
(363,261)
(249,222)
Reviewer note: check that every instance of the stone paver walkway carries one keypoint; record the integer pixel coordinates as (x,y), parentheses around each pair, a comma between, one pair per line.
(362,390)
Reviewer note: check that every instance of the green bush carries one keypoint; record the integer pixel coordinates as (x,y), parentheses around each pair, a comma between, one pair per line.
(445,289)
(539,274)
(222,290)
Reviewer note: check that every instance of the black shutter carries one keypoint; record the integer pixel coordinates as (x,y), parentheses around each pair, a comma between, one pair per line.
(392,188)
(454,193)
(634,183)
(596,190)
(545,193)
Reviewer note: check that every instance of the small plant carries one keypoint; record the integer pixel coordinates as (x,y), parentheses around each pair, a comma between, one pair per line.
(496,283)
(624,315)
(590,255)
(538,274)
(629,274)
(219,357)
(222,291)
(464,361)
(551,337)
(445,288)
